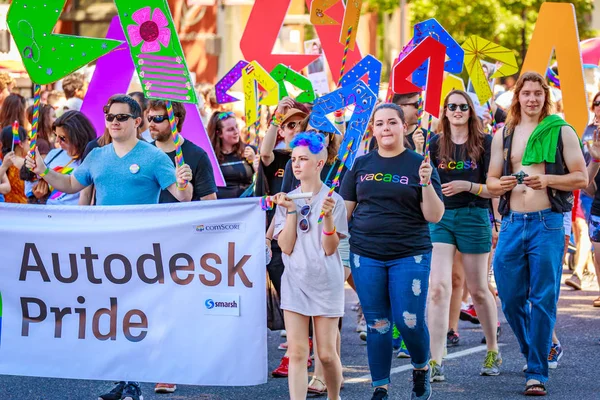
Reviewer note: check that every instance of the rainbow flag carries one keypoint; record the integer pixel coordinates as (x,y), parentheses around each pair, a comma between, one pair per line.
(54,194)
(15,132)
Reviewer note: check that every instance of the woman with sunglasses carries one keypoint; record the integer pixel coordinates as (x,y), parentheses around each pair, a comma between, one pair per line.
(312,284)
(461,155)
(390,247)
(73,132)
(235,157)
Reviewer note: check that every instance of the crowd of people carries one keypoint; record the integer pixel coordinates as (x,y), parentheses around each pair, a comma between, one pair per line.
(417,236)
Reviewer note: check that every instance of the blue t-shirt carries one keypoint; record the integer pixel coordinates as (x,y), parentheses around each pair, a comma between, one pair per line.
(136,178)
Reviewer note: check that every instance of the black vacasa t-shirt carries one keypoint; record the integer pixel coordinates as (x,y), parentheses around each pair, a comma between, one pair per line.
(203,179)
(462,168)
(387,222)
(327,174)
(238,176)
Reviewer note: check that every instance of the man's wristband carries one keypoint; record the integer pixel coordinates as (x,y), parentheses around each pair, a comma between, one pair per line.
(480,190)
(292,212)
(46,171)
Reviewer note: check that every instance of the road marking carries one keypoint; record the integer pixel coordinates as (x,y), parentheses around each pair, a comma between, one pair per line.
(458,354)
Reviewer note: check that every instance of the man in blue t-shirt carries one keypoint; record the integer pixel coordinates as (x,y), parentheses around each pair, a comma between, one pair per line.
(128,171)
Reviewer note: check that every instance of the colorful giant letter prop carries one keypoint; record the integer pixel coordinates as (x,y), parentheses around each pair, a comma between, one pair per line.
(364,101)
(156,50)
(565,42)
(49,57)
(455,53)
(429,49)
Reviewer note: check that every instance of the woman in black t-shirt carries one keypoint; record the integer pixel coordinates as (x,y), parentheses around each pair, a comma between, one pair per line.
(390,248)
(235,157)
(461,154)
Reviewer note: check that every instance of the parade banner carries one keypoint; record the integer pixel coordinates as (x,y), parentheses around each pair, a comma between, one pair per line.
(161,293)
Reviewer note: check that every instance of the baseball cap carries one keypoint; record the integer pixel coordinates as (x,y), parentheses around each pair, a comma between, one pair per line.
(293,112)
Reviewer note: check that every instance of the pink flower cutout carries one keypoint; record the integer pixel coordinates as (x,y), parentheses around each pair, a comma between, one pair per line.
(151,31)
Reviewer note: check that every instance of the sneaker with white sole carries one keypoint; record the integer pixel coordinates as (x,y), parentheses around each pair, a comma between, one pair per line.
(437,372)
(165,388)
(556,353)
(491,364)
(132,391)
(115,394)
(403,352)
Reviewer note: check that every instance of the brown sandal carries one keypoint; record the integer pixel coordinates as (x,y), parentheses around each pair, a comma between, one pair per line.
(315,391)
(535,389)
(597,302)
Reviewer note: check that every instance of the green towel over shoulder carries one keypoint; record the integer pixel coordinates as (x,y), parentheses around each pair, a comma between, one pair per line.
(543,142)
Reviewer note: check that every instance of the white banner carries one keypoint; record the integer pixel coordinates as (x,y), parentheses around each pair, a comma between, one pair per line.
(169,293)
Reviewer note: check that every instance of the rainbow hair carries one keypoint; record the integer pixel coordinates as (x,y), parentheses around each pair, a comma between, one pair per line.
(314,141)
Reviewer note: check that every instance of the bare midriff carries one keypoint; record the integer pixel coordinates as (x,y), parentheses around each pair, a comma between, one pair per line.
(523,198)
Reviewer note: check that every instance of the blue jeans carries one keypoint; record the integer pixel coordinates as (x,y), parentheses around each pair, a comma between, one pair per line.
(396,291)
(528,267)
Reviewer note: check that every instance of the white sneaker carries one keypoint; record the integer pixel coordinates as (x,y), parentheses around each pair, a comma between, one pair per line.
(282,333)
(361,326)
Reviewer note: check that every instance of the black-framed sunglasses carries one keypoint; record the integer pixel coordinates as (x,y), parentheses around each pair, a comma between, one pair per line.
(157,119)
(291,125)
(415,104)
(453,107)
(119,117)
(596,103)
(304,212)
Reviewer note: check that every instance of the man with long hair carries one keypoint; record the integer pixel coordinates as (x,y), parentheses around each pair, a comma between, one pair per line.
(536,163)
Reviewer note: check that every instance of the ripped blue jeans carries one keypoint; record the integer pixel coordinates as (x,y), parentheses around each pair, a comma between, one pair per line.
(396,291)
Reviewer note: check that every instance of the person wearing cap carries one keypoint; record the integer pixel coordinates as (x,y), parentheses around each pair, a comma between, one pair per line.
(234,156)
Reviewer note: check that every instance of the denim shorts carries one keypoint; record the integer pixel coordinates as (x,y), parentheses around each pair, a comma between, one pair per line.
(344,249)
(594,227)
(467,228)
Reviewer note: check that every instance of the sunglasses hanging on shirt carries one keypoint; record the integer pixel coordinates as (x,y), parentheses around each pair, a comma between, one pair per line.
(304,212)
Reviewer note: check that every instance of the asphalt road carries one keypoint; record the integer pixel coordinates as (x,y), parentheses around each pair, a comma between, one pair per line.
(578,327)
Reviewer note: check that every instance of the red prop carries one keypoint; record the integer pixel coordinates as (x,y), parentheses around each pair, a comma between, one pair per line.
(429,49)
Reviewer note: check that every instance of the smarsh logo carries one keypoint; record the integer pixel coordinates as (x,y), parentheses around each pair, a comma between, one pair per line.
(226,304)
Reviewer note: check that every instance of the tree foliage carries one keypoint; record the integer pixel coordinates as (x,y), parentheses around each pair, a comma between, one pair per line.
(502,21)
